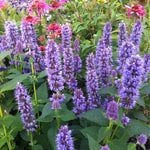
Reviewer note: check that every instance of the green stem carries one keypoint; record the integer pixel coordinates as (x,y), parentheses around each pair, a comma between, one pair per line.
(4,128)
(57,118)
(31,139)
(20,63)
(114,132)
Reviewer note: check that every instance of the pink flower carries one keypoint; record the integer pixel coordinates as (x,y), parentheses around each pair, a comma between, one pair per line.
(31,19)
(39,6)
(55,5)
(62,1)
(2,4)
(53,27)
(42,38)
(42,48)
(135,9)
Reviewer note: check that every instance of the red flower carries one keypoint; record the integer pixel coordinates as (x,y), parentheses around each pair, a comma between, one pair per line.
(42,38)
(42,48)
(31,19)
(51,36)
(55,5)
(53,27)
(136,9)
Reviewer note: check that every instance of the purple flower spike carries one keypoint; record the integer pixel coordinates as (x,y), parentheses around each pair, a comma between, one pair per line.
(100,47)
(57,97)
(131,80)
(146,66)
(76,46)
(122,37)
(126,51)
(125,120)
(53,67)
(25,107)
(112,111)
(72,83)
(105,67)
(105,148)
(64,139)
(55,105)
(90,61)
(68,63)
(11,32)
(19,47)
(142,139)
(77,63)
(92,89)
(136,34)
(28,36)
(5,46)
(66,36)
(60,49)
(107,34)
(79,102)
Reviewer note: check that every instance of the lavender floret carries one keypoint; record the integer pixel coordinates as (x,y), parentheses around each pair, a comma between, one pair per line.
(25,107)
(77,63)
(142,139)
(64,139)
(76,46)
(105,147)
(125,120)
(72,83)
(90,62)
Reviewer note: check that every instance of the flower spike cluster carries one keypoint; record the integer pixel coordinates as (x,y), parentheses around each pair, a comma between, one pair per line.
(53,67)
(132,78)
(64,139)
(25,107)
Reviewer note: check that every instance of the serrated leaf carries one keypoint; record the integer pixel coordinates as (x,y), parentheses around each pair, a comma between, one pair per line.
(45,119)
(97,116)
(93,145)
(47,109)
(42,74)
(139,115)
(103,132)
(10,85)
(92,131)
(4,54)
(145,89)
(68,97)
(117,144)
(136,127)
(3,140)
(25,136)
(40,93)
(66,115)
(141,102)
(108,90)
(8,120)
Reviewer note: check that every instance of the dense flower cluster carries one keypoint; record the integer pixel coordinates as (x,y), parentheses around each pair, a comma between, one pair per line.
(92,89)
(125,120)
(105,67)
(72,83)
(126,51)
(90,62)
(11,32)
(107,34)
(53,67)
(19,47)
(122,37)
(131,80)
(112,111)
(28,36)
(136,34)
(25,107)
(77,63)
(76,45)
(100,47)
(142,139)
(5,46)
(146,66)
(79,102)
(57,97)
(105,147)
(64,139)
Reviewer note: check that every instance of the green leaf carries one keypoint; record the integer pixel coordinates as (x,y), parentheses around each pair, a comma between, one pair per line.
(145,89)
(66,115)
(10,85)
(103,132)
(117,144)
(141,102)
(3,140)
(136,127)
(96,116)
(139,115)
(131,146)
(8,120)
(92,131)
(108,90)
(47,109)
(42,74)
(45,119)
(4,54)
(37,147)
(40,93)
(93,145)
(68,97)
(51,134)
(25,136)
